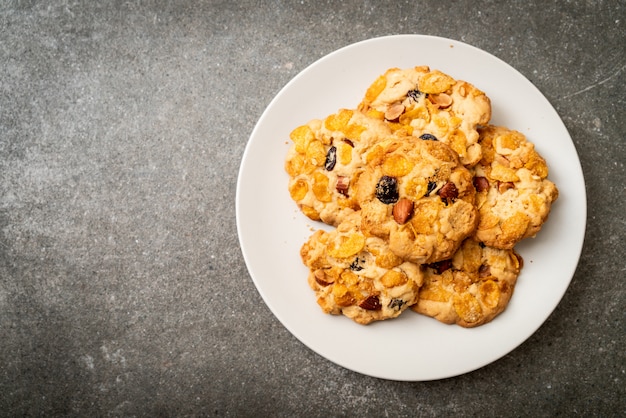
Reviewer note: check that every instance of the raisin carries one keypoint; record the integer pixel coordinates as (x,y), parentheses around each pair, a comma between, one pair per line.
(371,303)
(431,186)
(396,304)
(349,142)
(387,190)
(441,266)
(481,244)
(356,264)
(428,137)
(414,94)
(331,158)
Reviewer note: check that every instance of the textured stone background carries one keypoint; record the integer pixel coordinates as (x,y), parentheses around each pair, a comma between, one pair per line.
(123,291)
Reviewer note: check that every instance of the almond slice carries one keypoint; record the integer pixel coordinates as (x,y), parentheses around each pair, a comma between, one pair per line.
(442,100)
(394,111)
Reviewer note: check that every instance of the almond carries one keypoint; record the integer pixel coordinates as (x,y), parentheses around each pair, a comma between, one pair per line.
(394,111)
(484,271)
(503,186)
(441,100)
(371,303)
(320,278)
(481,183)
(501,159)
(403,210)
(343,183)
(448,191)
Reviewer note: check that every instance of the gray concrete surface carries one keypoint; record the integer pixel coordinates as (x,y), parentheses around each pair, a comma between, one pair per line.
(123,291)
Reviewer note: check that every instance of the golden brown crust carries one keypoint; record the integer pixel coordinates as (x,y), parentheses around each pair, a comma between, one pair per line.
(514,195)
(472,288)
(419,100)
(426,198)
(325,161)
(358,276)
(427,178)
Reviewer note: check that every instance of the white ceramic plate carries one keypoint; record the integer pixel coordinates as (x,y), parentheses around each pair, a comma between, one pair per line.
(272,230)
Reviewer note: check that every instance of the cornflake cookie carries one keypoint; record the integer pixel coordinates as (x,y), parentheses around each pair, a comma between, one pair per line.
(325,161)
(417,195)
(470,289)
(358,276)
(421,100)
(514,196)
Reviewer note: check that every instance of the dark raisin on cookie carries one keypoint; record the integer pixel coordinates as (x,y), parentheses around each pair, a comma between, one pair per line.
(396,303)
(387,190)
(440,266)
(356,264)
(428,137)
(415,94)
(431,186)
(331,158)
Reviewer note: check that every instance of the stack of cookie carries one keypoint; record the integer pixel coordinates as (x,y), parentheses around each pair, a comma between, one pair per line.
(427,199)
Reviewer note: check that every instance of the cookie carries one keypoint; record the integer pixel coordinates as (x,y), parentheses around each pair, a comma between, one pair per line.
(514,196)
(358,276)
(470,289)
(325,161)
(420,100)
(417,195)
